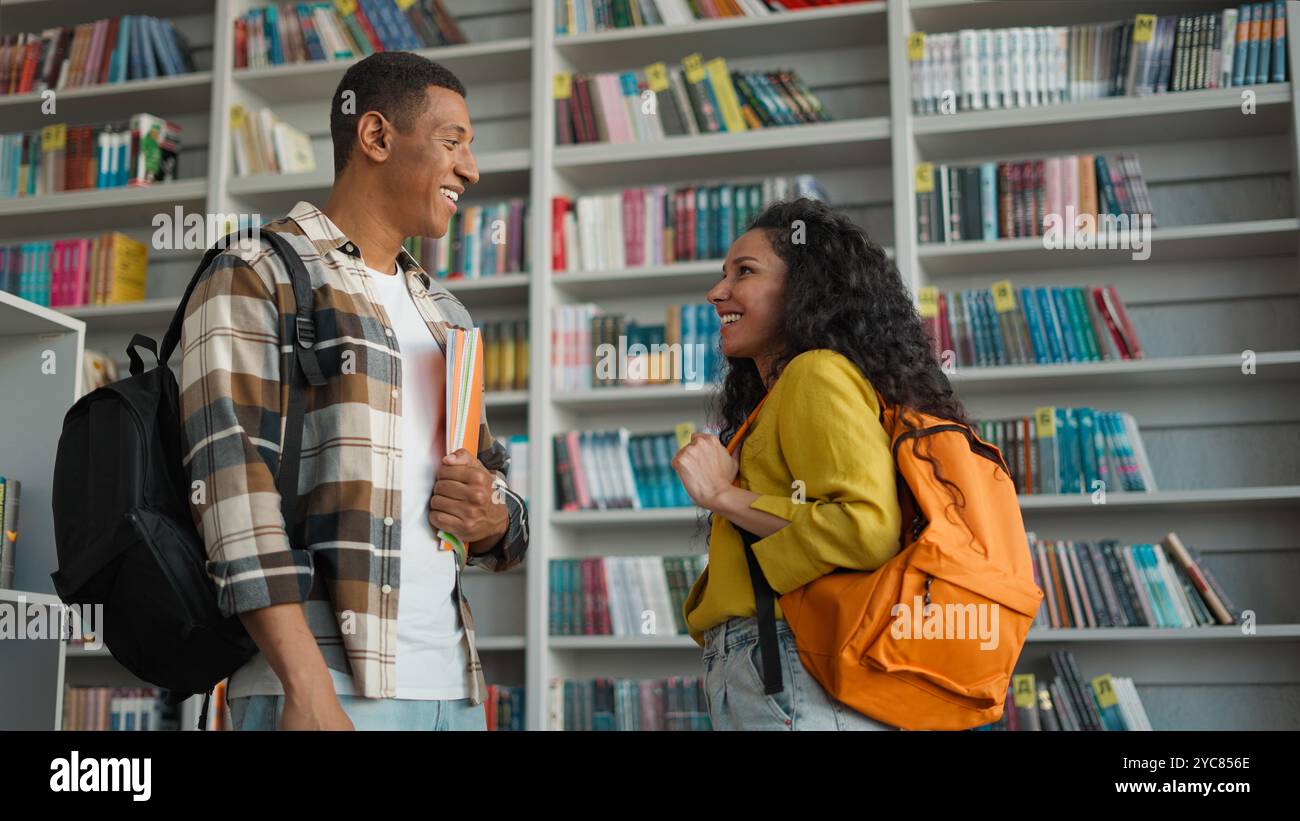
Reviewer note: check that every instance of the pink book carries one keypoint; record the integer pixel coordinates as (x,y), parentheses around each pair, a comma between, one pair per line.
(56,274)
(613,110)
(89,74)
(1070,184)
(630,248)
(1079,584)
(1052,186)
(82,267)
(579,476)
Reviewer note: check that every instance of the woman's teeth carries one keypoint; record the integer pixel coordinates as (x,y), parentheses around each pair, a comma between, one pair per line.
(727,319)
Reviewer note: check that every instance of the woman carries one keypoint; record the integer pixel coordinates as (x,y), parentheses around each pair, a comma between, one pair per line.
(815,321)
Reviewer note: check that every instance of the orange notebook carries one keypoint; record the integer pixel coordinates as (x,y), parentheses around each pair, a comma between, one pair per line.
(464,405)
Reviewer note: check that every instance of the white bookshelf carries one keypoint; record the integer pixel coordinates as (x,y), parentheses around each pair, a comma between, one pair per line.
(1220,280)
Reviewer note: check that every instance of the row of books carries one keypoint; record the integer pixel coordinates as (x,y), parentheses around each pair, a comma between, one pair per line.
(659,102)
(1108,584)
(621,595)
(1070,702)
(342,30)
(1078,195)
(141,151)
(604,704)
(1003,325)
(592,349)
(1070,450)
(113,50)
(581,16)
(264,144)
(615,469)
(11,492)
(482,241)
(505,354)
(105,270)
(517,451)
(504,708)
(117,708)
(657,225)
(974,69)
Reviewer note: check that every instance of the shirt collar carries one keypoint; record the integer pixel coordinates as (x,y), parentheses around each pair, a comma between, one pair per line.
(327,238)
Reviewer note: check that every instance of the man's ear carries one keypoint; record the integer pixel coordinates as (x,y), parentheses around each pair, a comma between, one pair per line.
(374,135)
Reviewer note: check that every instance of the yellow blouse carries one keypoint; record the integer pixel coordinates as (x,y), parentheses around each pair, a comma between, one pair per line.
(819,458)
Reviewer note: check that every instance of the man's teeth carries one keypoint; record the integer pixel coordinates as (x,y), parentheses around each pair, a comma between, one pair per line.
(449,194)
(727,319)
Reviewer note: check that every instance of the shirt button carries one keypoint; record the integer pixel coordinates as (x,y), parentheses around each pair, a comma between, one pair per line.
(388,331)
(386,589)
(394,393)
(388,521)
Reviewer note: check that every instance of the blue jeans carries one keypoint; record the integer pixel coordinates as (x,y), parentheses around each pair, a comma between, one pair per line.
(263,713)
(734,688)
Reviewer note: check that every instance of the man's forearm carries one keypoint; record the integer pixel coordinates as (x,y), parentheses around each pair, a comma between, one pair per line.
(282,634)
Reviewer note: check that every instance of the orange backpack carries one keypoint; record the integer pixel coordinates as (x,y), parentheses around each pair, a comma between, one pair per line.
(929,640)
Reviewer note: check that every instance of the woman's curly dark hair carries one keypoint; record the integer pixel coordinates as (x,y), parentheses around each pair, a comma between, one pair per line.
(844,294)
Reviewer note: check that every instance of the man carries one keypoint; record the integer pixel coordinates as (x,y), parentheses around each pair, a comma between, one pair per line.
(364,624)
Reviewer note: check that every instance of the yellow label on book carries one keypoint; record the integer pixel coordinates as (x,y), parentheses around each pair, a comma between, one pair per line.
(237,115)
(562,86)
(924,177)
(346,7)
(1045,422)
(1105,690)
(403,5)
(693,64)
(54,137)
(1024,691)
(1004,296)
(656,77)
(1144,28)
(916,46)
(927,301)
(684,432)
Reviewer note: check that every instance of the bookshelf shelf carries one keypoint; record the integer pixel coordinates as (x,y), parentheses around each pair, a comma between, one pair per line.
(21,317)
(182,94)
(844,26)
(1215,633)
(506,399)
(609,399)
(81,651)
(34,15)
(486,62)
(42,599)
(125,316)
(951,15)
(1231,240)
(500,643)
(673,642)
(805,148)
(91,209)
(498,289)
(1220,369)
(612,518)
(1208,113)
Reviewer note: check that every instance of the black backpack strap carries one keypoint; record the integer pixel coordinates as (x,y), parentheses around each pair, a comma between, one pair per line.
(765,614)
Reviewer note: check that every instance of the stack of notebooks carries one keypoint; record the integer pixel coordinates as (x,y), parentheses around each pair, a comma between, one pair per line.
(10,498)
(1070,450)
(504,708)
(592,349)
(117,708)
(976,69)
(1082,195)
(1071,702)
(104,270)
(1108,584)
(580,16)
(658,102)
(482,241)
(114,50)
(264,144)
(621,595)
(61,157)
(657,225)
(1003,325)
(672,704)
(342,30)
(615,469)
(505,355)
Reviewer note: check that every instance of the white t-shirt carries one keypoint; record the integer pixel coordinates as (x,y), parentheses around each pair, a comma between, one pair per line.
(431,654)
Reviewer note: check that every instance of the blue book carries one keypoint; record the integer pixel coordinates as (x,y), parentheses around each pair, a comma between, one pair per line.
(989,199)
(703,220)
(994,329)
(1103,690)
(1037,341)
(717,247)
(1252,48)
(148,60)
(1279,42)
(1265,45)
(1067,439)
(1092,448)
(726,219)
(1239,53)
(381,24)
(1067,328)
(117,65)
(161,47)
(310,39)
(1164,606)
(134,70)
(971,313)
(1051,325)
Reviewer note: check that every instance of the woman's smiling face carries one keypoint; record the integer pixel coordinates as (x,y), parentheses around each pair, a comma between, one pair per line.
(748,298)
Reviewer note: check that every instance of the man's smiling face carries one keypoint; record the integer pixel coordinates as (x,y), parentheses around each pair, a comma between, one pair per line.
(430,164)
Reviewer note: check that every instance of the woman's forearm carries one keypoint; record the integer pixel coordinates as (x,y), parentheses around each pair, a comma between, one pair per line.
(733,504)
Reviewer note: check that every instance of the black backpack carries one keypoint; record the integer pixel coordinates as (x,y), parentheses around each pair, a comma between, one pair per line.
(122,524)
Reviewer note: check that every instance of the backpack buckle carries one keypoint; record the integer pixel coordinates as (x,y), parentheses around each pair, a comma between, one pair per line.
(306,332)
(929,580)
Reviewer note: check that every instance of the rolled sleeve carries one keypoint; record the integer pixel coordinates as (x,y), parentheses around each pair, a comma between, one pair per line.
(832,440)
(231,413)
(514,544)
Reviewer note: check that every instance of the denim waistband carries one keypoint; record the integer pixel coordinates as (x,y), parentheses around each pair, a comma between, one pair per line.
(735,631)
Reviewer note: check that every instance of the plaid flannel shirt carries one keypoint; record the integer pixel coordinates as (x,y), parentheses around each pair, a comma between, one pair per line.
(345,570)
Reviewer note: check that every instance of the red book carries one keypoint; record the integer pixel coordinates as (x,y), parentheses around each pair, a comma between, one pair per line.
(1123,321)
(559,254)
(110,46)
(1111,327)
(241,43)
(30,59)
(368,29)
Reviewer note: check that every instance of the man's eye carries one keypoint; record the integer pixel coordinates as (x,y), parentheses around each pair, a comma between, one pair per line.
(452,143)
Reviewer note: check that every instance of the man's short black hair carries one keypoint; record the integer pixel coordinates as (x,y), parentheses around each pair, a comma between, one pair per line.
(390,82)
